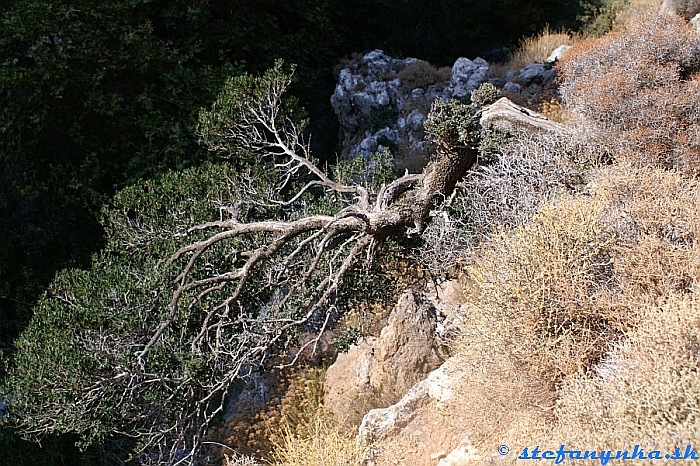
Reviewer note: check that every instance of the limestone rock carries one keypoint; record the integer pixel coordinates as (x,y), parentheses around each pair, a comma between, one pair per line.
(512,88)
(537,73)
(558,53)
(438,386)
(464,454)
(378,422)
(377,109)
(467,75)
(696,22)
(406,351)
(349,376)
(370,100)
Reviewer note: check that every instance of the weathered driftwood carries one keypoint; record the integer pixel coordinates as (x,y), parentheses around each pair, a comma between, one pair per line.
(506,115)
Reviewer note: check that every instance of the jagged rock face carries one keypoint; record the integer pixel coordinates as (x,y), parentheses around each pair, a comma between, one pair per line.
(437,387)
(537,73)
(386,367)
(467,75)
(381,102)
(407,349)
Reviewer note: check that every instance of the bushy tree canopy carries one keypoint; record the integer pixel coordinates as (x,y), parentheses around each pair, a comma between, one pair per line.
(209,271)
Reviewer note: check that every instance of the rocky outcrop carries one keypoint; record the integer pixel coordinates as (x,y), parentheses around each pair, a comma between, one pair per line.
(467,75)
(696,22)
(386,367)
(382,102)
(529,84)
(438,386)
(558,53)
(463,454)
(407,348)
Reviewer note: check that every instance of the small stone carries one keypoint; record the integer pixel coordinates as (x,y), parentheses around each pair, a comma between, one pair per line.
(558,53)
(439,455)
(533,73)
(512,88)
(696,22)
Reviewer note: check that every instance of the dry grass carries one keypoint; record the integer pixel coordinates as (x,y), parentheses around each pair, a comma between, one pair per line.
(582,321)
(296,397)
(582,324)
(647,391)
(324,443)
(294,429)
(536,49)
(554,110)
(540,292)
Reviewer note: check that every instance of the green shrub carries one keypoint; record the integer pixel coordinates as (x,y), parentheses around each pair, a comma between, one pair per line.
(379,117)
(493,144)
(485,94)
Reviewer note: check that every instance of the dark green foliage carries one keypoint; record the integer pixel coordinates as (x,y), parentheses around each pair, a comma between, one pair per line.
(452,124)
(440,31)
(379,117)
(391,146)
(485,94)
(493,143)
(55,451)
(89,365)
(87,326)
(600,21)
(372,173)
(91,96)
(348,338)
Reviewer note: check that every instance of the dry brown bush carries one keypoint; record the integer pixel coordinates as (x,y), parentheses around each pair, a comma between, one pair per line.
(541,291)
(582,325)
(639,82)
(351,62)
(686,8)
(554,110)
(647,391)
(421,74)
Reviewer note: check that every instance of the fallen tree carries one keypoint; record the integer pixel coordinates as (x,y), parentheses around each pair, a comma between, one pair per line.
(208,272)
